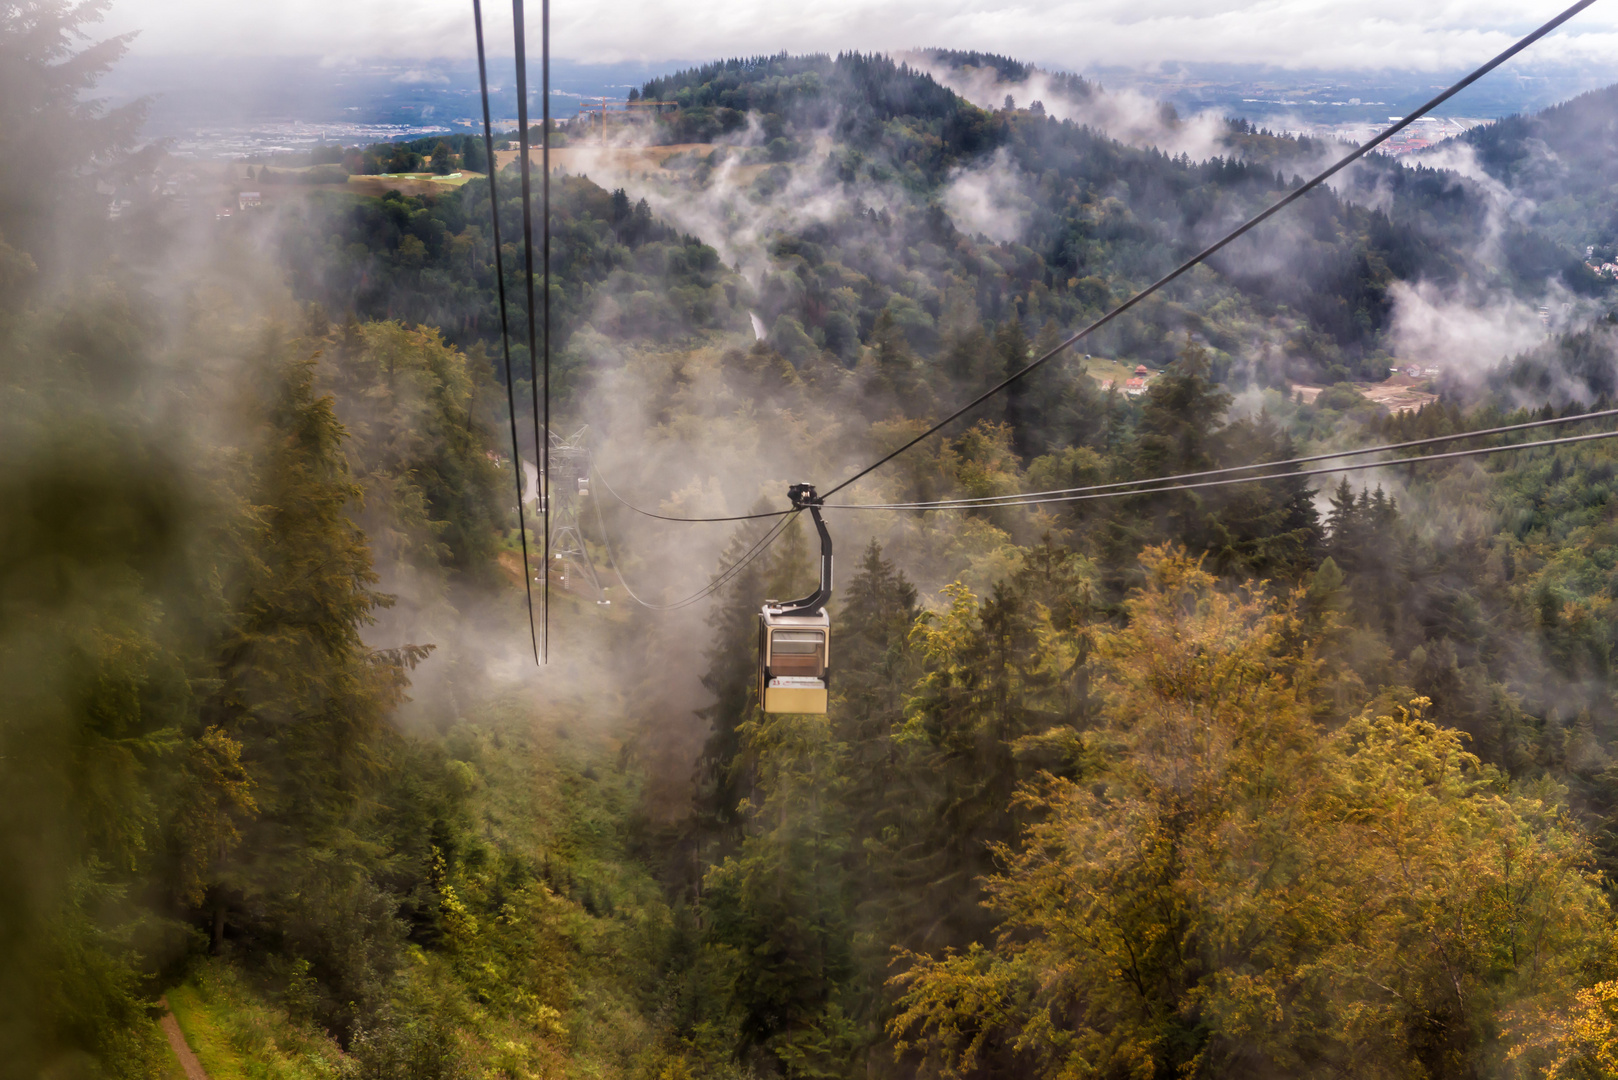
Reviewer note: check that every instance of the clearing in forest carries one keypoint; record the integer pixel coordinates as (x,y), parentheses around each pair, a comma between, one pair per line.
(1398,393)
(609,163)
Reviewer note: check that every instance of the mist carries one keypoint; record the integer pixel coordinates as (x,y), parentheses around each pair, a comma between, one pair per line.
(285,768)
(1126,115)
(990,199)
(1441,328)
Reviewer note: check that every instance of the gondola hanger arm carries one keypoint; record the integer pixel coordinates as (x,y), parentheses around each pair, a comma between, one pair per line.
(804,497)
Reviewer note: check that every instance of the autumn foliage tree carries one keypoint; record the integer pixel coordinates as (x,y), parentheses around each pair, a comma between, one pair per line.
(1231,889)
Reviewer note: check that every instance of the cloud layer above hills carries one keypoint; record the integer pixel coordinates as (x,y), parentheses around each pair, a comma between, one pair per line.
(1326,34)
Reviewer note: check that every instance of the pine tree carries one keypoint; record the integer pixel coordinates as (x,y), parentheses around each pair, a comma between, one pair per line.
(779,904)
(307,700)
(1182,411)
(1268,530)
(725,774)
(432,499)
(874,669)
(897,380)
(877,608)
(1181,415)
(779,909)
(55,142)
(1342,526)
(1011,350)
(993,674)
(94,521)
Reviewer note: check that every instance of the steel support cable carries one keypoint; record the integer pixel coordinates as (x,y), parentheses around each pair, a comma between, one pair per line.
(1231,236)
(729,573)
(1012,500)
(1477,451)
(665,517)
(520,39)
(735,568)
(505,336)
(725,576)
(545,284)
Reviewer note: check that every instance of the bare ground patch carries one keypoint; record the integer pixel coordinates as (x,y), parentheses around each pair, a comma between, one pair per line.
(1399,393)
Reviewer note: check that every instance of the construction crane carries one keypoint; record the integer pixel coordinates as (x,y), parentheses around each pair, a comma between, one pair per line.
(629,110)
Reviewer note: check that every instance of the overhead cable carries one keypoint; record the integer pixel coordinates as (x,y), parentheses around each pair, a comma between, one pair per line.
(719,581)
(519,33)
(665,517)
(545,283)
(505,335)
(1477,451)
(1003,500)
(725,577)
(1228,238)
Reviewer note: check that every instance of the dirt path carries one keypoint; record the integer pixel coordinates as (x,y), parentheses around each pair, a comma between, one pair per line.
(188,1060)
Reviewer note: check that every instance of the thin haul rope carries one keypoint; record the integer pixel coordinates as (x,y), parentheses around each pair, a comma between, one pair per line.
(1002,500)
(519,33)
(665,517)
(769,538)
(505,336)
(545,257)
(1476,451)
(1135,485)
(713,586)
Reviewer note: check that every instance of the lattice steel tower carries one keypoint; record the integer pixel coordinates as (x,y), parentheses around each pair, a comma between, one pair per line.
(570,482)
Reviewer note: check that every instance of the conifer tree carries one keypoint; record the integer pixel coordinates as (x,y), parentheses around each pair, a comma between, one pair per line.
(307,700)
(55,142)
(725,776)
(1011,349)
(1268,530)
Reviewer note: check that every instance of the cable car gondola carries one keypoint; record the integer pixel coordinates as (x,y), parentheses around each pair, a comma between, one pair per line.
(794,672)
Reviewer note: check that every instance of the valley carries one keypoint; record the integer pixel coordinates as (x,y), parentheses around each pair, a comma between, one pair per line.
(1147,752)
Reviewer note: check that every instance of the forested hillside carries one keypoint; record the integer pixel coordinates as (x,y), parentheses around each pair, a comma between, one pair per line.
(1560,163)
(891,207)
(1305,777)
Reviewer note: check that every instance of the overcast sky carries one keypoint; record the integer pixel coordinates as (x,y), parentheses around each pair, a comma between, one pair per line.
(1332,34)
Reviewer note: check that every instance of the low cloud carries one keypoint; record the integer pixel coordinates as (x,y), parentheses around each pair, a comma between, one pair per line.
(1464,335)
(1126,115)
(990,198)
(740,202)
(1375,34)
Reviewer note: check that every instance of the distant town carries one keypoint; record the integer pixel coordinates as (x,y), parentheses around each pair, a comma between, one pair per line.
(266,137)
(1426,132)
(291,136)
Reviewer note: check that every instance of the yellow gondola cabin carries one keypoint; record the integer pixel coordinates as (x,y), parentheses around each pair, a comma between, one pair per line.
(794,638)
(793,676)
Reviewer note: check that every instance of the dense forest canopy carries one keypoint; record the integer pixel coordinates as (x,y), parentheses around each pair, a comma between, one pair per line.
(1560,161)
(1308,777)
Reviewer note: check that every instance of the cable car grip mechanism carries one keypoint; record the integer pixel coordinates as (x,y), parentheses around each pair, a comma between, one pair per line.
(804,498)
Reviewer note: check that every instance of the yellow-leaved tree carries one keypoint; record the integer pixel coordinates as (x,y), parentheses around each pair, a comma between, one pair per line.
(1235,889)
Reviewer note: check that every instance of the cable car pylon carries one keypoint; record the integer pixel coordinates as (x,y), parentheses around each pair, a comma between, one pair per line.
(569,483)
(794,636)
